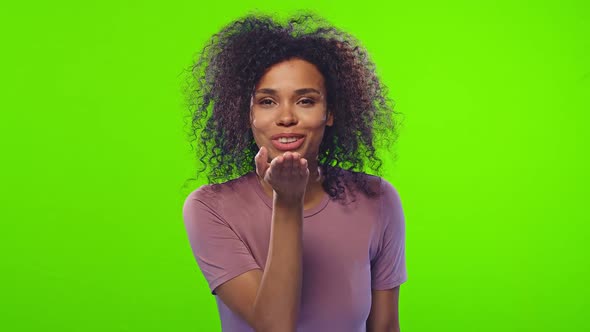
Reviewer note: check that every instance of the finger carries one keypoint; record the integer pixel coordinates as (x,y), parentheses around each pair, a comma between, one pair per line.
(295,164)
(261,161)
(276,164)
(303,169)
(283,164)
(288,166)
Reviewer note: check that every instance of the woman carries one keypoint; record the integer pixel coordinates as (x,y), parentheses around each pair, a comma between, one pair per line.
(291,235)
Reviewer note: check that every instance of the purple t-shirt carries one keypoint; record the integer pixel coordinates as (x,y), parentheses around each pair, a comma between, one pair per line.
(347,249)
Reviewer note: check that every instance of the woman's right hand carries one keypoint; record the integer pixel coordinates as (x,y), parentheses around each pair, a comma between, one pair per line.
(287,174)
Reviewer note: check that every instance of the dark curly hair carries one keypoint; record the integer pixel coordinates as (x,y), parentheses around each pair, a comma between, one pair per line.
(222,80)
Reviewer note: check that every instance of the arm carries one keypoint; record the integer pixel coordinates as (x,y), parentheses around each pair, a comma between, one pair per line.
(269,300)
(388,269)
(277,302)
(384,311)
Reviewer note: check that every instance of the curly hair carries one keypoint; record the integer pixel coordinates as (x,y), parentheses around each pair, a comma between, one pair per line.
(223,76)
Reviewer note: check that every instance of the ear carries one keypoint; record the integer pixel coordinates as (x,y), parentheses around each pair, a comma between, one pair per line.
(330,120)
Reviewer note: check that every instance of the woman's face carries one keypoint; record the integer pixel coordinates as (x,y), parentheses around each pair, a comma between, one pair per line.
(288,109)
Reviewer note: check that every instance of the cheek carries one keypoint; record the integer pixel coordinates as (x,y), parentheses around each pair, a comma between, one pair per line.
(255,120)
(260,121)
(257,124)
(314,121)
(258,127)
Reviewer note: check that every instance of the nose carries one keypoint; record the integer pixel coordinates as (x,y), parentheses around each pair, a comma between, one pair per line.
(286,116)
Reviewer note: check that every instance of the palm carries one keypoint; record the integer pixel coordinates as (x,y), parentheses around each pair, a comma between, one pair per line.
(287,174)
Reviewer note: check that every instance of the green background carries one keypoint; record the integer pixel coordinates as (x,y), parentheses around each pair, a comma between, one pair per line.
(491,168)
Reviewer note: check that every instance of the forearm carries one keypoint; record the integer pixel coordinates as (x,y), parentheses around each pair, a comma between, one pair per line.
(276,307)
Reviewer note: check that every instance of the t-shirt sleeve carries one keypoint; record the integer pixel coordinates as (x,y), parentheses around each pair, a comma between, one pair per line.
(388,267)
(219,252)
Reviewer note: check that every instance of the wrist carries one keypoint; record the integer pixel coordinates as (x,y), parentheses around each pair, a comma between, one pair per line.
(287,201)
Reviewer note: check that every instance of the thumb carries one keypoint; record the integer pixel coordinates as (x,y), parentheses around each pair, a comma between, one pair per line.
(261,160)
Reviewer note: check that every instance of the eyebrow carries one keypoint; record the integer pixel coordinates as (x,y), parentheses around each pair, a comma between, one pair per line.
(297,92)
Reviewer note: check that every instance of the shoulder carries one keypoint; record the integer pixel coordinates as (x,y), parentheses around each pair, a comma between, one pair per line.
(221,190)
(214,197)
(391,210)
(389,192)
(385,198)
(382,188)
(390,207)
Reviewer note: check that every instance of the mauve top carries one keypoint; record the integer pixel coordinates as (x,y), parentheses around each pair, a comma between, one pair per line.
(347,249)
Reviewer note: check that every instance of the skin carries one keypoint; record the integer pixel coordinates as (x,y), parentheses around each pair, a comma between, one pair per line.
(276,108)
(269,300)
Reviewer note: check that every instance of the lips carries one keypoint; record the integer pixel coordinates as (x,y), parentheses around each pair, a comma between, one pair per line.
(287,146)
(277,136)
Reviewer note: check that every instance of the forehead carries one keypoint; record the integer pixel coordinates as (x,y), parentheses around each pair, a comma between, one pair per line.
(291,75)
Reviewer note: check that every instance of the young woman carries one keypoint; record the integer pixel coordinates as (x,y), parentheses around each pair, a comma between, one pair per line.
(290,234)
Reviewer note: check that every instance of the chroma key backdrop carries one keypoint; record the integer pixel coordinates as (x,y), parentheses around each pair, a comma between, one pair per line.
(491,161)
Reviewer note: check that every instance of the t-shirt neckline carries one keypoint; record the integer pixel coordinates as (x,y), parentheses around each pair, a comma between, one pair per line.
(253,179)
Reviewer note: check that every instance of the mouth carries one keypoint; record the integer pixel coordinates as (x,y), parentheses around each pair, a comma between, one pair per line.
(287,143)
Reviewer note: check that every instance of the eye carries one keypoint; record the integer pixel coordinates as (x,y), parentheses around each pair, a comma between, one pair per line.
(307,101)
(266,102)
